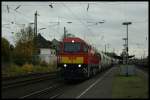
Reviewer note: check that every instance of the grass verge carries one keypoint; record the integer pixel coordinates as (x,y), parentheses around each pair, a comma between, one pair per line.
(130,87)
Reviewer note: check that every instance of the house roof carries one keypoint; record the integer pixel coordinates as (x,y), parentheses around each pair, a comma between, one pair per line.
(42,42)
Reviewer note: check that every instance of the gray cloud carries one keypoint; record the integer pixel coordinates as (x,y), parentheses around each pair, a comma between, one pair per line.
(111,32)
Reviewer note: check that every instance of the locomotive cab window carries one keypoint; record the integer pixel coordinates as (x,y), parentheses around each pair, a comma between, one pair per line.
(72,47)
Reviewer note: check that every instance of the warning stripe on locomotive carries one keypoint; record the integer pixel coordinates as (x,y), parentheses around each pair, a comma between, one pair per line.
(72,60)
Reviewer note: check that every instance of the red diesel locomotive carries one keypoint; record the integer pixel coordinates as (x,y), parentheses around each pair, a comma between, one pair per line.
(78,60)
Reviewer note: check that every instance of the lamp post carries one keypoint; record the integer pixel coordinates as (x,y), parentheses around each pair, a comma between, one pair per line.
(127,23)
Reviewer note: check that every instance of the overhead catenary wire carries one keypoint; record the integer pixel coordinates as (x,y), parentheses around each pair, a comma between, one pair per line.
(28,19)
(87,27)
(24,16)
(77,18)
(90,2)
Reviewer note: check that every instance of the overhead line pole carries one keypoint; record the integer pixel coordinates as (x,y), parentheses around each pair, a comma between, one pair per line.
(35,37)
(64,32)
(35,24)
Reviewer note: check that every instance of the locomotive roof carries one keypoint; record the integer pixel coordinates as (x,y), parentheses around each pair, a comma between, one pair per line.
(76,39)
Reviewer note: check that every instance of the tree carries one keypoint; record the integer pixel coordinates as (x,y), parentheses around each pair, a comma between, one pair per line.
(24,45)
(7,50)
(24,52)
(25,35)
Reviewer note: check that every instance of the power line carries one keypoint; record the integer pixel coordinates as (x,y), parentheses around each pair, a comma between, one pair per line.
(99,2)
(77,18)
(46,4)
(87,19)
(24,16)
(27,17)
(140,21)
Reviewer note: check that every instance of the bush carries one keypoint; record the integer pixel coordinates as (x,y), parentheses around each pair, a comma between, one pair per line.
(12,70)
(43,63)
(19,62)
(36,60)
(28,68)
(53,66)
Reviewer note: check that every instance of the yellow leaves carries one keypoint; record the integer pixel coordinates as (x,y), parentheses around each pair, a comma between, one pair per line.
(24,51)
(27,68)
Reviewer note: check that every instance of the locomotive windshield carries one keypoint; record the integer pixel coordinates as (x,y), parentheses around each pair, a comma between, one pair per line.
(72,47)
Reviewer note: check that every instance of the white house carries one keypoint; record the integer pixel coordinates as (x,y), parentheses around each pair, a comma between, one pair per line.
(48,55)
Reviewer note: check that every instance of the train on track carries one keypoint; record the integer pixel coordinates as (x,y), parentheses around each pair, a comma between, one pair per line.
(79,60)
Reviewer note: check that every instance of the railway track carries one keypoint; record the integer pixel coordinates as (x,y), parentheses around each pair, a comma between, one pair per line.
(51,88)
(58,89)
(55,91)
(27,79)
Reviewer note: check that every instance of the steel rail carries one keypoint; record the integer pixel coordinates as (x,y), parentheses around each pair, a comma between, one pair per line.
(42,91)
(27,80)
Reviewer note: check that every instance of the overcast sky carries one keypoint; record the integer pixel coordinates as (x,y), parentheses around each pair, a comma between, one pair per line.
(84,17)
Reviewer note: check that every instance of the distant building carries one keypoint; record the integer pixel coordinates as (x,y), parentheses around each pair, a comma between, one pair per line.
(46,51)
(56,45)
(42,42)
(48,55)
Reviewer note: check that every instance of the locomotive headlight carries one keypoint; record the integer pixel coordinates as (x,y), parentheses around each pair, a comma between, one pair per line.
(65,65)
(72,41)
(79,65)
